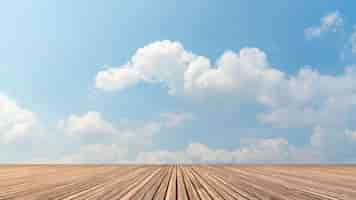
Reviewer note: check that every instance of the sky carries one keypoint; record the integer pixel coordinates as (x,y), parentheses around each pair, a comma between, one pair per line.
(178,81)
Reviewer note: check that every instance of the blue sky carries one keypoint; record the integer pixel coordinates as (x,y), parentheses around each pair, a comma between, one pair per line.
(177,81)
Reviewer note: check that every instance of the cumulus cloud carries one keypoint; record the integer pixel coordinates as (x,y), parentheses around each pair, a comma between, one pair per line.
(15,122)
(184,73)
(149,64)
(328,143)
(109,142)
(246,76)
(331,22)
(303,99)
(307,99)
(311,99)
(243,74)
(272,150)
(324,104)
(91,123)
(117,79)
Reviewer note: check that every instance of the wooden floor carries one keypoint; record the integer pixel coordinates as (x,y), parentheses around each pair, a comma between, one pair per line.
(178,182)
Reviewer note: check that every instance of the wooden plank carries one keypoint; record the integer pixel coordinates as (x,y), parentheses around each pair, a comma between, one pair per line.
(201,190)
(148,186)
(191,189)
(163,188)
(183,182)
(214,190)
(151,194)
(171,193)
(182,192)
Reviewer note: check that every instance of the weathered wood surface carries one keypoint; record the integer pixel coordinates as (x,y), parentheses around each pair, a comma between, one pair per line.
(185,182)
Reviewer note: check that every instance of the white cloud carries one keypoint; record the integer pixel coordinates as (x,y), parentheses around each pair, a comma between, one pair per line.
(185,73)
(325,105)
(90,123)
(113,140)
(158,62)
(307,99)
(240,75)
(304,99)
(311,99)
(332,22)
(15,122)
(246,76)
(117,79)
(251,151)
(133,139)
(326,146)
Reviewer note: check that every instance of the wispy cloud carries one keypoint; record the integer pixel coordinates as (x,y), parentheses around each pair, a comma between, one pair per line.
(331,22)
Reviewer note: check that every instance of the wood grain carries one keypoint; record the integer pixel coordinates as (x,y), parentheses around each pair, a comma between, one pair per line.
(184,182)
